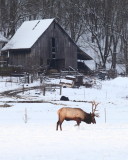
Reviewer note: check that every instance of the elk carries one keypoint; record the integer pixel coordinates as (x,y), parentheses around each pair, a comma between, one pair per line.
(76,114)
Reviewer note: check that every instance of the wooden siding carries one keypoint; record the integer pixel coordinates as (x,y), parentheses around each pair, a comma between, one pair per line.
(19,57)
(66,50)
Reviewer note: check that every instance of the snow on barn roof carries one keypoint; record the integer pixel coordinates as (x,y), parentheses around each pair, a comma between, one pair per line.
(90,64)
(2,38)
(28,34)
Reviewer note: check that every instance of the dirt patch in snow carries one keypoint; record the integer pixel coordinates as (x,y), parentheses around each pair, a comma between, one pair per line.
(5,105)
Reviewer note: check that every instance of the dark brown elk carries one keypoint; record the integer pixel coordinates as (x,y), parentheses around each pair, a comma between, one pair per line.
(76,114)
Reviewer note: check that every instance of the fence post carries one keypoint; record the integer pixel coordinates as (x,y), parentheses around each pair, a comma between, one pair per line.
(61,90)
(105,114)
(23,88)
(44,91)
(25,116)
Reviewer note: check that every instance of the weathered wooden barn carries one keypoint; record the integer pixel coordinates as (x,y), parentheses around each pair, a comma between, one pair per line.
(41,43)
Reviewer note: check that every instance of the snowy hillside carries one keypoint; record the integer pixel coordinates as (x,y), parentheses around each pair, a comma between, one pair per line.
(28,130)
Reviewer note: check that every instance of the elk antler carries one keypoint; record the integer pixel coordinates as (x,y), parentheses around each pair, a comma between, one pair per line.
(94,105)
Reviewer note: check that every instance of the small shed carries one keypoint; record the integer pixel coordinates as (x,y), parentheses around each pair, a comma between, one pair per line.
(42,44)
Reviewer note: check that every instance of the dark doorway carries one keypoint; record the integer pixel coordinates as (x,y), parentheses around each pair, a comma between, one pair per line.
(56,63)
(53,44)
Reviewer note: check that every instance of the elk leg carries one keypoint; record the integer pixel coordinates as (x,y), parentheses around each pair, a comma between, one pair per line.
(61,121)
(57,125)
(78,121)
(60,126)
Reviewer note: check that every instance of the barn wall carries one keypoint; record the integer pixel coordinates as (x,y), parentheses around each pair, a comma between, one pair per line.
(41,50)
(66,50)
(66,47)
(19,58)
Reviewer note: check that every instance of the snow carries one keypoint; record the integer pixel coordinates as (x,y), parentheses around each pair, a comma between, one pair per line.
(91,64)
(120,68)
(67,82)
(29,32)
(28,130)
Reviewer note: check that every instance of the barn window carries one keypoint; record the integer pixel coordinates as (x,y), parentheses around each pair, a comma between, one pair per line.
(53,48)
(53,44)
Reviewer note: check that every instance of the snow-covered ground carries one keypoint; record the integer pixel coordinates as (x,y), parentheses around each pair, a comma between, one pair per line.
(28,130)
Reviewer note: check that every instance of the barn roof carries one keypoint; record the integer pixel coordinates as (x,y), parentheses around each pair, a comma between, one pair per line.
(82,55)
(28,34)
(2,38)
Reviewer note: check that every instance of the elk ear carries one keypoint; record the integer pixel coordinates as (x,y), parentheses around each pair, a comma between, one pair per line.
(93,114)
